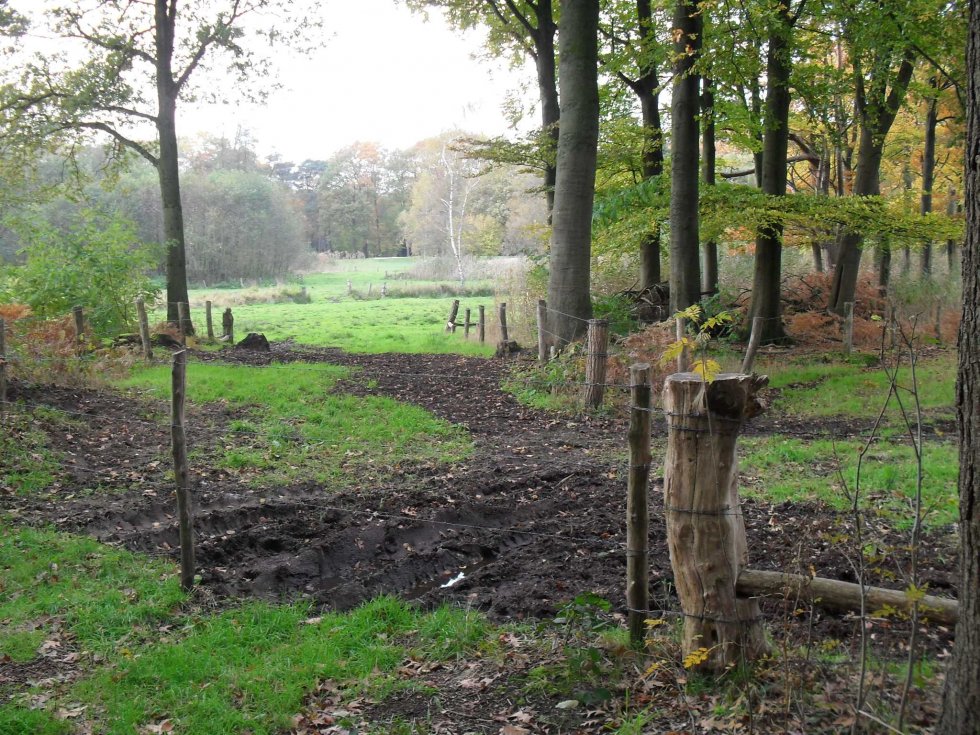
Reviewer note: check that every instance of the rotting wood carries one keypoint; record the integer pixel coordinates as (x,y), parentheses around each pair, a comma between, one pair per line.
(210,321)
(597,341)
(542,327)
(754,340)
(705,528)
(838,595)
(183,318)
(453,311)
(637,512)
(144,323)
(178,447)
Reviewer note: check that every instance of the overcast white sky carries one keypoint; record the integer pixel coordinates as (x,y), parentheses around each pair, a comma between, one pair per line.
(384,75)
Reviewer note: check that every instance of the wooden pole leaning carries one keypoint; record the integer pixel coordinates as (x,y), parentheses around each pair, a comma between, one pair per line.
(705,528)
(754,340)
(542,326)
(144,329)
(637,512)
(453,311)
(597,350)
(178,446)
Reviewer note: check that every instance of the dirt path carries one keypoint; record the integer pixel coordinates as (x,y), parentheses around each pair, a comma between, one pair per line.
(533,519)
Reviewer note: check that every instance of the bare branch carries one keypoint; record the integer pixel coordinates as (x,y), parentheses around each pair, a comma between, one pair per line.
(119,137)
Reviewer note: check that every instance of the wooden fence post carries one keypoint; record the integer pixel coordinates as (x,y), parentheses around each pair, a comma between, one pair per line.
(467,325)
(705,528)
(938,326)
(79,315)
(502,311)
(597,340)
(384,289)
(178,446)
(453,311)
(542,326)
(754,339)
(637,514)
(3,367)
(483,324)
(210,320)
(182,320)
(350,287)
(228,325)
(849,327)
(144,329)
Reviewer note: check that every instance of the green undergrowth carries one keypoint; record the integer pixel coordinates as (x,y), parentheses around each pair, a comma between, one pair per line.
(853,388)
(777,469)
(290,426)
(151,657)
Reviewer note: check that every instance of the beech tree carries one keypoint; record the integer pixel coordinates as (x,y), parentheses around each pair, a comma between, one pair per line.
(571,236)
(961,698)
(139,60)
(685,270)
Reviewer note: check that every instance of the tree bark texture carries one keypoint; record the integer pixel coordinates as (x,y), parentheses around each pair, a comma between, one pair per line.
(646,89)
(685,267)
(709,251)
(767,273)
(571,235)
(705,529)
(961,698)
(167,163)
(544,64)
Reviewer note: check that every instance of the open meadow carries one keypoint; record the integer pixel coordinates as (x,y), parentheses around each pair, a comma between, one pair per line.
(396,532)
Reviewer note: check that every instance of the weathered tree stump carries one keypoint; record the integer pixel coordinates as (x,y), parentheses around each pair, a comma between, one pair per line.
(705,528)
(254,341)
(451,321)
(228,326)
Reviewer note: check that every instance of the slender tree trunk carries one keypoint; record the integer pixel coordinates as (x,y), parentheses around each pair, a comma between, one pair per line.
(685,270)
(928,178)
(760,138)
(571,233)
(645,88)
(876,115)
(167,165)
(709,252)
(544,64)
(951,210)
(961,698)
(769,239)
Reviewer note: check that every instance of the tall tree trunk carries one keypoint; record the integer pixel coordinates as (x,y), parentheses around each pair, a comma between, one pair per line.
(167,165)
(709,252)
(544,64)
(571,233)
(961,698)
(769,239)
(685,270)
(646,90)
(928,177)
(876,113)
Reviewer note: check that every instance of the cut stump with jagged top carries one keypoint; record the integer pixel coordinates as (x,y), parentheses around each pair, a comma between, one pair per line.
(705,528)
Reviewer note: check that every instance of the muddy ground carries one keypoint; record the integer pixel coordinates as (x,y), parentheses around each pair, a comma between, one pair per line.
(535,518)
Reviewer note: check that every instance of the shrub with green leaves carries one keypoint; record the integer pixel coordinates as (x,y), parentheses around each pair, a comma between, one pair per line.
(93,260)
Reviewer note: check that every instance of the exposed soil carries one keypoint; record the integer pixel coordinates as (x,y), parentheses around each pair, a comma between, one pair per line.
(533,519)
